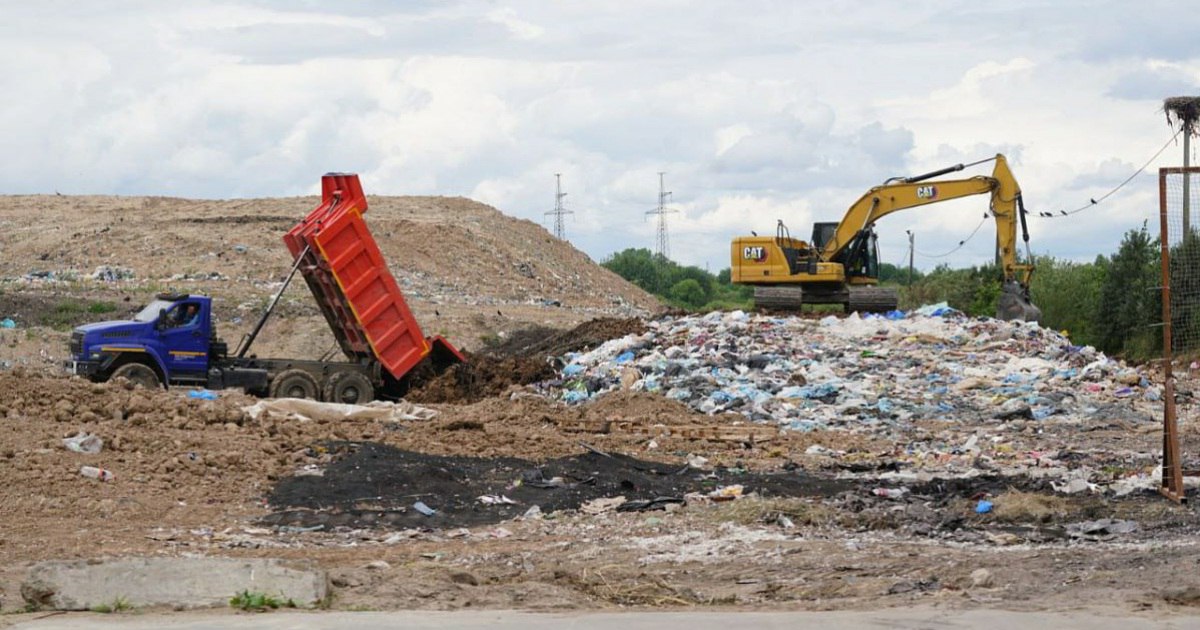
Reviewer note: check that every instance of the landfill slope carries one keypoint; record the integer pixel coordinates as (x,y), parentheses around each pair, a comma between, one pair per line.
(469,272)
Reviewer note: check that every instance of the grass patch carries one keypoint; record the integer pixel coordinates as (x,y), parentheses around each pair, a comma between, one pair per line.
(1017,506)
(755,510)
(71,312)
(99,308)
(254,601)
(120,604)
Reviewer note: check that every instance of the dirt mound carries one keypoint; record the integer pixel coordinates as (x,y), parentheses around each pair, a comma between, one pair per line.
(522,358)
(376,485)
(539,341)
(445,250)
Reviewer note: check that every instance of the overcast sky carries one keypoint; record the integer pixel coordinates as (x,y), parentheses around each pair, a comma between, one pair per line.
(756,111)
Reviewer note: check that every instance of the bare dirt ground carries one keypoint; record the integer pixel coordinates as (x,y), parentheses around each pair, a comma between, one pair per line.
(203,477)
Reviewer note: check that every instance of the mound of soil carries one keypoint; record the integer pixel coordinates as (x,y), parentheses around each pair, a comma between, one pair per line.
(539,341)
(524,357)
(372,484)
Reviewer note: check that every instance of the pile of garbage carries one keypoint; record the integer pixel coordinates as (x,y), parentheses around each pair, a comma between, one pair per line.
(859,371)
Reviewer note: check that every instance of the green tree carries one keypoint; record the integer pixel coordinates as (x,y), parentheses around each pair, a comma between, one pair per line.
(663,278)
(1185,294)
(1127,306)
(688,293)
(1069,295)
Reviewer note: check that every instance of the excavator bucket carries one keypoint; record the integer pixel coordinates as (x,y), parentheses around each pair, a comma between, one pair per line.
(1015,304)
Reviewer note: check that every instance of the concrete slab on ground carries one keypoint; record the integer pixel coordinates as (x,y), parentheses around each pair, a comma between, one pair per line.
(174,582)
(905,618)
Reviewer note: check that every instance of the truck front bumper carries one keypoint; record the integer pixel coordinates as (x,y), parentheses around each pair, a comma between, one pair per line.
(82,368)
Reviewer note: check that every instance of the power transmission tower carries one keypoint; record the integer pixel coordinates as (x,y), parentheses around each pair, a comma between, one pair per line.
(560,232)
(663,248)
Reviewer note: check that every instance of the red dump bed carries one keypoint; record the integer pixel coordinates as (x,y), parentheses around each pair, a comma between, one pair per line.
(351,282)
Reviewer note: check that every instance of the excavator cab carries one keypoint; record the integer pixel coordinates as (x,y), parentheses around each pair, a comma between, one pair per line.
(822,232)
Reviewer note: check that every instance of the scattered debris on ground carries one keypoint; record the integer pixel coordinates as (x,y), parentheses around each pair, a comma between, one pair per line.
(592,455)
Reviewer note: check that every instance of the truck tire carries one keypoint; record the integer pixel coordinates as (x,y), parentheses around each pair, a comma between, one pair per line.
(294,384)
(349,388)
(138,374)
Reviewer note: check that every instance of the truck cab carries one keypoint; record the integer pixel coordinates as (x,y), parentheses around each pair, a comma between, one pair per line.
(169,341)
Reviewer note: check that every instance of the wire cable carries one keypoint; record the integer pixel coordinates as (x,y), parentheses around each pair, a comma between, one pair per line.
(961,243)
(1096,201)
(1062,213)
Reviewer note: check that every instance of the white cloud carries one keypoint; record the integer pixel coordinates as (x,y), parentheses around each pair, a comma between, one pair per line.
(756,111)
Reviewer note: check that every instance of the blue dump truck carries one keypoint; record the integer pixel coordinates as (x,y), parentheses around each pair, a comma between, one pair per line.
(174,341)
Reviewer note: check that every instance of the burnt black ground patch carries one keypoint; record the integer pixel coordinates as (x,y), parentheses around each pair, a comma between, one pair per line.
(375,485)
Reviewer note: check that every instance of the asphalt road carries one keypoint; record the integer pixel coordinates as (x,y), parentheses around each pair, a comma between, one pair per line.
(906,618)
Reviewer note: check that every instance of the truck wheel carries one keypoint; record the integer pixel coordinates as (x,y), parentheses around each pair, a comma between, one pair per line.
(350,388)
(138,374)
(294,384)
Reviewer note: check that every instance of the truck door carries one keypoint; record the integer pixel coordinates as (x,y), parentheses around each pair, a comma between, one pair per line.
(185,339)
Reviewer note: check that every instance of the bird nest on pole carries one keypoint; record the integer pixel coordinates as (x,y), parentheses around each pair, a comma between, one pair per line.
(1185,109)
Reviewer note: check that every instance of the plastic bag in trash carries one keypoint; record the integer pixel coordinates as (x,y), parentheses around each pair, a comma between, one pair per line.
(203,394)
(572,369)
(84,443)
(935,310)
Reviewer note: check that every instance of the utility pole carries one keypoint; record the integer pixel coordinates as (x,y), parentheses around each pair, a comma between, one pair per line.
(559,210)
(910,256)
(662,248)
(1187,177)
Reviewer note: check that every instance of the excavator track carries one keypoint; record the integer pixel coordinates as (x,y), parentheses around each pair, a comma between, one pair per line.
(779,298)
(872,300)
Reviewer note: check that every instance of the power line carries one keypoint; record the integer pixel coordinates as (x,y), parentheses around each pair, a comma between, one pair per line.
(1063,213)
(662,247)
(986,215)
(559,210)
(1096,201)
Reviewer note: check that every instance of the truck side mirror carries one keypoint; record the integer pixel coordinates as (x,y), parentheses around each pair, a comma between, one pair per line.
(159,323)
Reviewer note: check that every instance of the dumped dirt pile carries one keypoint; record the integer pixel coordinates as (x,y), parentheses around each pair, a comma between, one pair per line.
(180,462)
(523,357)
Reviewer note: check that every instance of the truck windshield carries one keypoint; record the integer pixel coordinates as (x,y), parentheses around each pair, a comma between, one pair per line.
(150,313)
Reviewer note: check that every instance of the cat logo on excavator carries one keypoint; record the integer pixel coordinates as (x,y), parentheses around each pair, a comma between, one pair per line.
(757,254)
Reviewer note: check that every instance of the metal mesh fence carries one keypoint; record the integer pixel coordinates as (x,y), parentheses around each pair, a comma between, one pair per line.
(1179,215)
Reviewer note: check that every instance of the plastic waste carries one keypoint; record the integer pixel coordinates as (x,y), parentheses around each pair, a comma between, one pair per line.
(424,509)
(572,369)
(879,376)
(7,323)
(202,394)
(890,493)
(727,493)
(84,443)
(657,503)
(93,472)
(983,507)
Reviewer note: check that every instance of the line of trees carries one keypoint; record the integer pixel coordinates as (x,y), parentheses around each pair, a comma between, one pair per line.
(1112,303)
(686,287)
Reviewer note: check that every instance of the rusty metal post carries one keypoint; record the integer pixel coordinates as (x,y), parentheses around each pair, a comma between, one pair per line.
(1171,485)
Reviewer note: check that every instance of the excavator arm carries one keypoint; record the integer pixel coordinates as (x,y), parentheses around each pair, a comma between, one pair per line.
(914,192)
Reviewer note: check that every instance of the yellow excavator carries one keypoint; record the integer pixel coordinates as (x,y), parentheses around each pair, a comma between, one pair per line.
(841,263)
